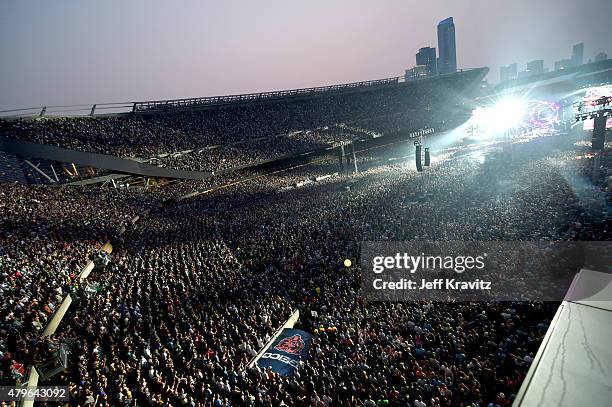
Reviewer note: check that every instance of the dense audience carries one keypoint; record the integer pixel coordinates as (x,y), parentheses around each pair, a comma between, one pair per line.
(46,238)
(248,132)
(196,290)
(197,286)
(257,150)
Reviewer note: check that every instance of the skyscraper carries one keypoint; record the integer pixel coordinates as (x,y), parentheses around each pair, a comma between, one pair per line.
(578,54)
(563,64)
(508,73)
(446,46)
(602,56)
(427,56)
(535,67)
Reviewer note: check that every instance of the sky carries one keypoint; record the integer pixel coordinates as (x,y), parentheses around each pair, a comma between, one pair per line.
(71,52)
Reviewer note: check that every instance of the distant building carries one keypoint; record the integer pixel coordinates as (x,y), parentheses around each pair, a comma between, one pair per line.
(427,56)
(508,72)
(535,67)
(563,64)
(523,74)
(417,72)
(602,56)
(447,62)
(578,54)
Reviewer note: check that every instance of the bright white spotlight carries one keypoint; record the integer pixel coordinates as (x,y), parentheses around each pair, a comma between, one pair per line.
(480,123)
(508,113)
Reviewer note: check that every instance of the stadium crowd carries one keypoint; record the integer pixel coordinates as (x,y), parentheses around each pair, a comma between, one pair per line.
(46,238)
(197,287)
(256,150)
(196,290)
(247,132)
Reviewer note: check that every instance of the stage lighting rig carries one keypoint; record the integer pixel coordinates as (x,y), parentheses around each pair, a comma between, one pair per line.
(600,117)
(592,115)
(594,106)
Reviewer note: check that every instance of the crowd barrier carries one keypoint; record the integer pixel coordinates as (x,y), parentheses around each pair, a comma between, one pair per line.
(57,317)
(60,312)
(31,382)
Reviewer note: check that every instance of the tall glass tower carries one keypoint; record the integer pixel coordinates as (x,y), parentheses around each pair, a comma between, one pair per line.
(447,62)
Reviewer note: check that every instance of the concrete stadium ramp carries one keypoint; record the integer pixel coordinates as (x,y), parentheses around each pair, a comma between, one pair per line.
(28,149)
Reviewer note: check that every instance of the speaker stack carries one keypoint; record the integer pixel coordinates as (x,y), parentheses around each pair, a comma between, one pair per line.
(599,133)
(419,165)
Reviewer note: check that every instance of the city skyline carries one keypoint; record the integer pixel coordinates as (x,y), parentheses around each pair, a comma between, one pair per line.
(539,66)
(72,52)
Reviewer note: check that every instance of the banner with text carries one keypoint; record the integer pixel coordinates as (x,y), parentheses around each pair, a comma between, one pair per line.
(283,356)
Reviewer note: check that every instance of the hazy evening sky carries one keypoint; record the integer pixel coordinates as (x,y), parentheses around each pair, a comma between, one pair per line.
(65,52)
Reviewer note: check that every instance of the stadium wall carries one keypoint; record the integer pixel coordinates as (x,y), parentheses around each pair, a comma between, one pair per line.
(213,102)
